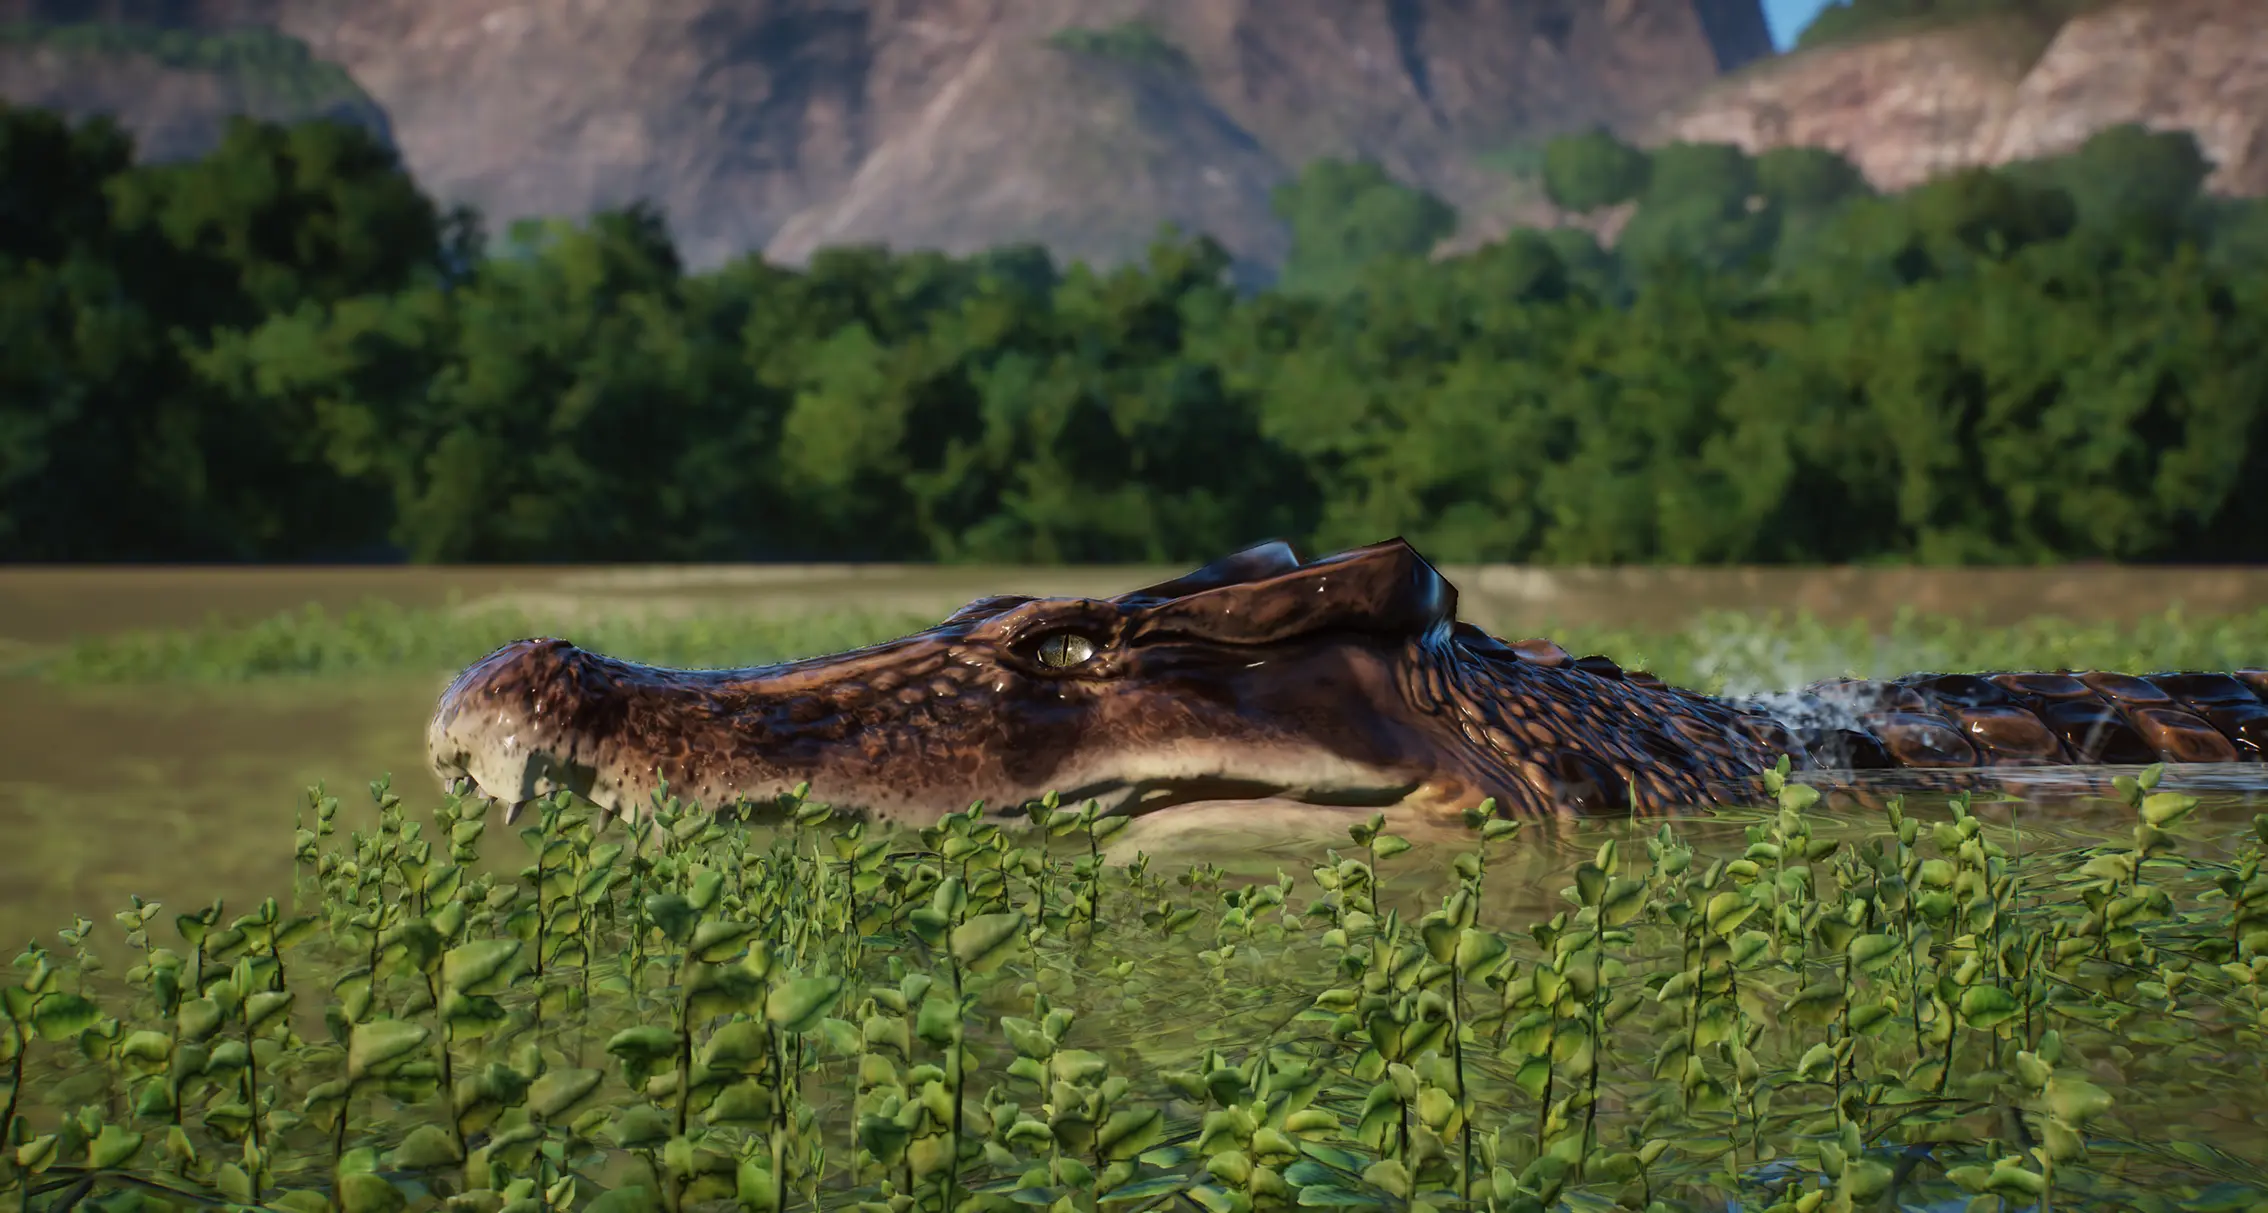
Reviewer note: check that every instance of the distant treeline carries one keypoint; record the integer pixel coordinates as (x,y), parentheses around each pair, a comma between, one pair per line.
(286,351)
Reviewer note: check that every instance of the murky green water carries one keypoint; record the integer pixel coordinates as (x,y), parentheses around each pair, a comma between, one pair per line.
(179,794)
(182,792)
(186,792)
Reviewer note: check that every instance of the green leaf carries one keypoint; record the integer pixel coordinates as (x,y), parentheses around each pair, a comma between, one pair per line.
(2010,1179)
(641,1127)
(1869,951)
(1026,1038)
(1332,1196)
(197,1019)
(1868,1016)
(672,915)
(1390,1176)
(1476,951)
(1984,1006)
(264,1006)
(939,1021)
(1816,1004)
(363,1192)
(1533,1076)
(1748,945)
(644,1043)
(1590,883)
(1974,1178)
(2162,809)
(1128,1132)
(147,1047)
(1726,911)
(929,925)
(1867,1179)
(1624,900)
(62,1016)
(799,1005)
(842,1037)
(425,1148)
(1818,1064)
(985,942)
(234,1183)
(115,1146)
(1440,939)
(37,1154)
(743,1103)
(379,1044)
(558,1092)
(2075,1101)
(482,968)
(742,1047)
(1143,1189)
(717,942)
(301,1200)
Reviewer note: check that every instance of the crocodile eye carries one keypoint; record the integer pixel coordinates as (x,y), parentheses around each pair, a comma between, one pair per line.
(1062,650)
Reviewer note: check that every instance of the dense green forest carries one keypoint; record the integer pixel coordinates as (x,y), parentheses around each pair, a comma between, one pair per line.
(286,351)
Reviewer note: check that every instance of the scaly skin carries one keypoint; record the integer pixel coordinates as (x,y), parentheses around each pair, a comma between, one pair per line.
(1346,681)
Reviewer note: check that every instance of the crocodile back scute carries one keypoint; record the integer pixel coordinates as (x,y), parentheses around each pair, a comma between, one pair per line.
(2062,718)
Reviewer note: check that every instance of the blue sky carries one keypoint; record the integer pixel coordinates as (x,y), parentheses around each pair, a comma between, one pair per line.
(1787,17)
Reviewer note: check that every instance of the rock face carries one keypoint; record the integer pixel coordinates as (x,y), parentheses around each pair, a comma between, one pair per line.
(1904,108)
(175,94)
(960,124)
(787,125)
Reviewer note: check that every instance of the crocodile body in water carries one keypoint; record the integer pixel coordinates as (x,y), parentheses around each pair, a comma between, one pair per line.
(1344,681)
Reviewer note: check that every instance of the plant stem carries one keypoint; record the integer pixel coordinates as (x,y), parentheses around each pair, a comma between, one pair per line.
(1457,1060)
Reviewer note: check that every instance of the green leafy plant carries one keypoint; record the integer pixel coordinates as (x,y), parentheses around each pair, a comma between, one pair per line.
(683,1011)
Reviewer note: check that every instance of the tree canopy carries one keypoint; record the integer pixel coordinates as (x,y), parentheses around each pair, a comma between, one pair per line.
(286,351)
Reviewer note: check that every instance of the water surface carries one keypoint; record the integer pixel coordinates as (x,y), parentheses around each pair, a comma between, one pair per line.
(177,791)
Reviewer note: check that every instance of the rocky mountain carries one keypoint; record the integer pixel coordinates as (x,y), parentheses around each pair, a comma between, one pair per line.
(788,125)
(176,88)
(959,124)
(1906,106)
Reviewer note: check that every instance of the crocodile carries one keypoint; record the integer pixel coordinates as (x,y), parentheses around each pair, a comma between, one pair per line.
(1343,681)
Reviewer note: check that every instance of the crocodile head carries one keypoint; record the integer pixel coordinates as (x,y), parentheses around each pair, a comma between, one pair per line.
(1344,681)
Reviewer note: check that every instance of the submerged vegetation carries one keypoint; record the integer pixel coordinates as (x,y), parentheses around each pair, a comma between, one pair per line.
(1719,652)
(683,1012)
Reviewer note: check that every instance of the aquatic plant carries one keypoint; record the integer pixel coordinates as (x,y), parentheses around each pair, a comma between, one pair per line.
(687,1011)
